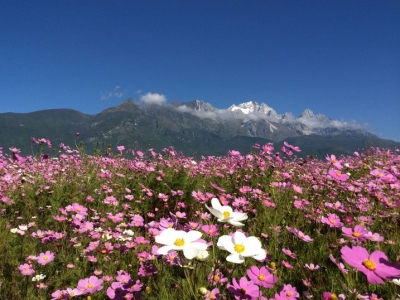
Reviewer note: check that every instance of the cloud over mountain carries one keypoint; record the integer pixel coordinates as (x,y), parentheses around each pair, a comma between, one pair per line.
(154,98)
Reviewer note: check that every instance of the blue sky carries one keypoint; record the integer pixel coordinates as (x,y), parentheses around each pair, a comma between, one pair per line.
(339,58)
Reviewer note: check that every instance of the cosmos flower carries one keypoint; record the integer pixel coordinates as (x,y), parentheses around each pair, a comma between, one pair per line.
(239,246)
(359,233)
(338,175)
(262,277)
(45,258)
(179,240)
(332,220)
(90,285)
(225,213)
(375,265)
(244,289)
(288,292)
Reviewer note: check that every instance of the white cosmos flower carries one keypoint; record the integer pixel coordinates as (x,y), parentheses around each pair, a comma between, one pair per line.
(239,246)
(176,240)
(38,277)
(203,255)
(226,214)
(396,281)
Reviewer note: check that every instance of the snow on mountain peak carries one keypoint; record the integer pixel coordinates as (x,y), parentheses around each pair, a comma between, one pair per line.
(253,107)
(307,113)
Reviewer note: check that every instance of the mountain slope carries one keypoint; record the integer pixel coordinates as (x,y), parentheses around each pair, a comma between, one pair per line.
(195,128)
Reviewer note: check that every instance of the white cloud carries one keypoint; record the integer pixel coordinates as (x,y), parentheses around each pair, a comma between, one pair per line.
(117,92)
(153,98)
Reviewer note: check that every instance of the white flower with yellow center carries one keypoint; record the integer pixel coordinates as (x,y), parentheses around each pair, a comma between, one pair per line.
(226,214)
(239,246)
(176,240)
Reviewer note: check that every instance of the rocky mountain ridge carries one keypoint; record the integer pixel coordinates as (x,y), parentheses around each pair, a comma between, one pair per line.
(194,127)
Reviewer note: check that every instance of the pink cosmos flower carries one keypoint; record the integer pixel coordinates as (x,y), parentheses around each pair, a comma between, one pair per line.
(45,258)
(375,237)
(59,294)
(295,148)
(210,230)
(289,253)
(287,293)
(332,220)
(26,269)
(375,265)
(244,289)
(286,264)
(90,285)
(334,161)
(212,295)
(299,234)
(359,233)
(341,266)
(297,189)
(338,175)
(262,277)
(312,267)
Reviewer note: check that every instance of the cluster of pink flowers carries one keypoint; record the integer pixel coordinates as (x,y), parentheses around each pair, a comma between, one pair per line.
(216,228)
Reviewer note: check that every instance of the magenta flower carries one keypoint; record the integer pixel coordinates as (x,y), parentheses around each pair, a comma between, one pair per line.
(286,264)
(244,289)
(289,253)
(287,293)
(299,234)
(334,161)
(90,285)
(212,295)
(262,277)
(332,220)
(59,294)
(358,233)
(45,258)
(26,269)
(375,265)
(338,176)
(297,189)
(375,237)
(210,230)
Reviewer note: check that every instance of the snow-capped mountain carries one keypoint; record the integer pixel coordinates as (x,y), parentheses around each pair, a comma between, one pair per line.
(253,107)
(261,120)
(193,127)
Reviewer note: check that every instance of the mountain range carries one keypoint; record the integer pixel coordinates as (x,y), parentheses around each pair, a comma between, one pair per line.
(195,128)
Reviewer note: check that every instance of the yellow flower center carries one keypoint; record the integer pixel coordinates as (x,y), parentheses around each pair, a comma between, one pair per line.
(226,214)
(216,278)
(261,277)
(338,174)
(369,264)
(239,248)
(45,257)
(288,294)
(356,234)
(90,286)
(179,242)
(333,297)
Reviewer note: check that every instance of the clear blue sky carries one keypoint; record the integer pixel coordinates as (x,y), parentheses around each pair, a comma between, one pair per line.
(339,58)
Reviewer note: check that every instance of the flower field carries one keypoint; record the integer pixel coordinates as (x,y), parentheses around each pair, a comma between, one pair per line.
(146,225)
